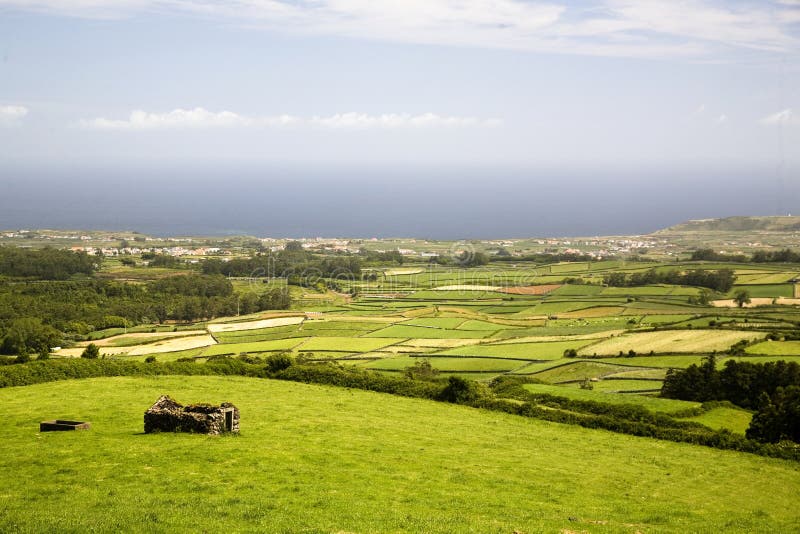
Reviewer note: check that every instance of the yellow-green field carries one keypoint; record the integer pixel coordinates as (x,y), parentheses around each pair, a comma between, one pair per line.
(323,459)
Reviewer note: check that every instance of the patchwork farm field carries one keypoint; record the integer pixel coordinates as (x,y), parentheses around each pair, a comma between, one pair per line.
(582,341)
(579,341)
(324,459)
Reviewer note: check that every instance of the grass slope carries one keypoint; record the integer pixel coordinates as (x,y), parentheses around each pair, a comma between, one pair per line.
(321,459)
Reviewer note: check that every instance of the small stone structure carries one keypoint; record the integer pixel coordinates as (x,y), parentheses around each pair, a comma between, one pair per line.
(62,424)
(167,415)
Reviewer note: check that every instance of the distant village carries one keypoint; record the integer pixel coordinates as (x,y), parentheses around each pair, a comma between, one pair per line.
(122,244)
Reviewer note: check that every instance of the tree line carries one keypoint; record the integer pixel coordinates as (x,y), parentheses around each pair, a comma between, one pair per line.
(46,263)
(286,263)
(721,280)
(760,256)
(36,316)
(771,388)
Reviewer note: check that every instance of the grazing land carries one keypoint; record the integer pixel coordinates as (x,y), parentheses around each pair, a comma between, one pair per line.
(324,459)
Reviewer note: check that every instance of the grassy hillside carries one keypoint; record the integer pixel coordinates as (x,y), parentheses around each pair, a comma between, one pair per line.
(320,459)
(736,224)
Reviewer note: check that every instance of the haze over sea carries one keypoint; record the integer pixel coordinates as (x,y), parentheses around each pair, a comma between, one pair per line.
(294,201)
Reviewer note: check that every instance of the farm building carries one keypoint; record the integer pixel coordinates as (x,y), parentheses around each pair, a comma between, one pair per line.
(167,415)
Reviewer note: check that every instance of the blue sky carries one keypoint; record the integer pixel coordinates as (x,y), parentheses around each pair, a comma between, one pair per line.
(611,90)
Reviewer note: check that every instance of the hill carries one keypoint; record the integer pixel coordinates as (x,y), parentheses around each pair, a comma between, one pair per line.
(323,459)
(736,224)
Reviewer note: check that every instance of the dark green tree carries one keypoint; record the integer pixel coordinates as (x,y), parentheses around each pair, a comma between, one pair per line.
(778,417)
(459,390)
(91,351)
(741,298)
(29,334)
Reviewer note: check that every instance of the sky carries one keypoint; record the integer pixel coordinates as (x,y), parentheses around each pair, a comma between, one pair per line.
(606,115)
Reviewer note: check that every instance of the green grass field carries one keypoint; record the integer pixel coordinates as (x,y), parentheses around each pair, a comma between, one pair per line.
(530,351)
(611,385)
(775,348)
(734,419)
(399,363)
(580,370)
(321,459)
(655,404)
(403,331)
(347,344)
(679,361)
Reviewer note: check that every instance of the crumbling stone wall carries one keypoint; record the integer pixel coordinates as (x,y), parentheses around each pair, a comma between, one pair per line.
(167,415)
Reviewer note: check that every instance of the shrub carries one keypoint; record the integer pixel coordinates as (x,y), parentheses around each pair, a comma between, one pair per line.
(421,370)
(459,391)
(150,359)
(91,352)
(279,362)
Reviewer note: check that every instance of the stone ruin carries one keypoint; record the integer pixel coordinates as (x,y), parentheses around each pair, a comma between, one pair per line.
(167,415)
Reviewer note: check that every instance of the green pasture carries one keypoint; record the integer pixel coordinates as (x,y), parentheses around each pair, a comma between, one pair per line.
(579,370)
(775,348)
(655,404)
(302,447)
(436,322)
(734,419)
(614,386)
(399,363)
(474,324)
(546,350)
(672,360)
(764,290)
(256,346)
(570,290)
(345,344)
(407,331)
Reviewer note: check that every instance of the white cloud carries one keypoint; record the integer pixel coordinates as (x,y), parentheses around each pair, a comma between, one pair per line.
(722,119)
(201,118)
(785,116)
(178,118)
(640,28)
(11,114)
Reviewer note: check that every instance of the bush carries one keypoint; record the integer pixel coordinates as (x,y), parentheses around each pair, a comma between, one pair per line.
(279,362)
(421,370)
(91,352)
(459,391)
(150,359)
(22,357)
